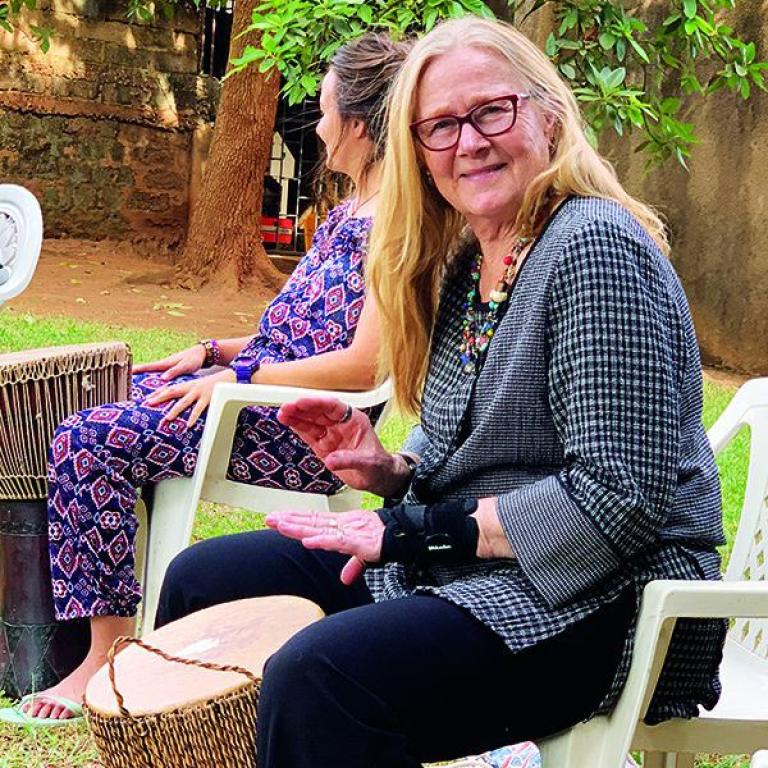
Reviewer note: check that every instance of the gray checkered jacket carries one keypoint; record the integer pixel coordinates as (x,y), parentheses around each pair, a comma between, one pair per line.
(585,421)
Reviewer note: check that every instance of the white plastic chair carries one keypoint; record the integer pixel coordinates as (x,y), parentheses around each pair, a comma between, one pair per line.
(21,236)
(739,722)
(175,501)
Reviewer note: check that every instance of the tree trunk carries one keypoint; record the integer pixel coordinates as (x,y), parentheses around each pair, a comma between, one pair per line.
(224,235)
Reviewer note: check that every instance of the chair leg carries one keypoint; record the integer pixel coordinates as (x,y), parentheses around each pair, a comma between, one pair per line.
(143,507)
(171,514)
(588,745)
(668,760)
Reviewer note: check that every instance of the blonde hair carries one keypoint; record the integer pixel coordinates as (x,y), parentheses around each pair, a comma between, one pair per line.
(415,231)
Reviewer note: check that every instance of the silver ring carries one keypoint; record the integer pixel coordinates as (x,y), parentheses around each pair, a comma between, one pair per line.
(347,415)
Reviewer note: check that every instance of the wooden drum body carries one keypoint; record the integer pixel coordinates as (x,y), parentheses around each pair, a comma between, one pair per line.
(175,699)
(38,390)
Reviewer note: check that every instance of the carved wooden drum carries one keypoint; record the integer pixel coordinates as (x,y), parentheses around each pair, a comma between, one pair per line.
(186,696)
(38,389)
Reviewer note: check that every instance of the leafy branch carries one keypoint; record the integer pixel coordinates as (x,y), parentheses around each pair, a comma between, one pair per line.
(628,73)
(621,68)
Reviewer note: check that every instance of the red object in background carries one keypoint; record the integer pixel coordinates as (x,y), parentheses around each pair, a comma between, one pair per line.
(277,231)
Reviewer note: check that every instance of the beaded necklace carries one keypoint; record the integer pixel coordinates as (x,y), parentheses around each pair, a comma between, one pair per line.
(478,326)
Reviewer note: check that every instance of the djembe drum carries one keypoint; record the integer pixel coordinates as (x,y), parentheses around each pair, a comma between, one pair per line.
(186,696)
(38,389)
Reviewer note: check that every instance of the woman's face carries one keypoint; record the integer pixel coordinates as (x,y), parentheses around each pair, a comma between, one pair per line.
(482,178)
(341,138)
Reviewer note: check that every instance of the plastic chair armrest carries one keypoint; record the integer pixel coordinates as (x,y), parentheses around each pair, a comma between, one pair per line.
(706,599)
(267,394)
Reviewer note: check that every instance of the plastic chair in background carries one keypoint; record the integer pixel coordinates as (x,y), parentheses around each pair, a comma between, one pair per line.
(172,510)
(21,237)
(739,722)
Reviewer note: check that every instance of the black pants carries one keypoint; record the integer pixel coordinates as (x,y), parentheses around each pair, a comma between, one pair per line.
(396,683)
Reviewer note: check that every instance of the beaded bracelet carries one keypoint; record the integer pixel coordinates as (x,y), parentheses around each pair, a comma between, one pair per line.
(212,352)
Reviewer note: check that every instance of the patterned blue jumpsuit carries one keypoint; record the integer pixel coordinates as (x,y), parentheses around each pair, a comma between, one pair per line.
(100,457)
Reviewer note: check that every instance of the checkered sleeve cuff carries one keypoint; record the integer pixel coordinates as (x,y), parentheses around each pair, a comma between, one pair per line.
(559,548)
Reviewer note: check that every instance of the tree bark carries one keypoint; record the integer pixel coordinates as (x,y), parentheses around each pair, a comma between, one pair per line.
(224,235)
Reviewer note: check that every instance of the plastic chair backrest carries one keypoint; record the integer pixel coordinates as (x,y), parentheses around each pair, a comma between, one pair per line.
(21,236)
(749,558)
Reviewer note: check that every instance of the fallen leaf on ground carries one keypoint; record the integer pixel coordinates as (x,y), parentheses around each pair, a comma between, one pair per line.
(80,300)
(168,305)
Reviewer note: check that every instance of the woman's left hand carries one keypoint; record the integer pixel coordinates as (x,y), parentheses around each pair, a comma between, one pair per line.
(358,533)
(195,394)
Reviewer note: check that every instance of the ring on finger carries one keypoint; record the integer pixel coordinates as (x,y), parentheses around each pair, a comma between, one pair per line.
(347,415)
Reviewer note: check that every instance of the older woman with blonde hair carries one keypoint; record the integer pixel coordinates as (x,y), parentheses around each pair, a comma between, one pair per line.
(531,319)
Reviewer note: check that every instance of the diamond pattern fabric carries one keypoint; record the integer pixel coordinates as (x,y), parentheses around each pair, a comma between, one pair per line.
(100,457)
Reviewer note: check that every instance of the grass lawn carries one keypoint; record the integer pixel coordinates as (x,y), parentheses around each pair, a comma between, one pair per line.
(70,747)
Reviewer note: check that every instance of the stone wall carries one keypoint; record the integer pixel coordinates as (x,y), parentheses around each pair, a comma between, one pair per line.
(717,212)
(101,127)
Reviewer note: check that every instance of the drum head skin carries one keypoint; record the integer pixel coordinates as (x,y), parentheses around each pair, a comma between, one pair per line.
(244,633)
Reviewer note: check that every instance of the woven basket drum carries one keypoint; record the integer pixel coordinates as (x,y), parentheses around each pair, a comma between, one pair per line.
(39,388)
(186,696)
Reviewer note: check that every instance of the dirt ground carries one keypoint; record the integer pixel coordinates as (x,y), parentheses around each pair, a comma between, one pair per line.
(112,282)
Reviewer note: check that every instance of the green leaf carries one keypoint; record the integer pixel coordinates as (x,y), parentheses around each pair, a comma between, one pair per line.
(616,77)
(639,50)
(635,115)
(550,47)
(365,13)
(607,40)
(689,8)
(568,70)
(569,21)
(591,135)
(670,105)
(745,89)
(308,83)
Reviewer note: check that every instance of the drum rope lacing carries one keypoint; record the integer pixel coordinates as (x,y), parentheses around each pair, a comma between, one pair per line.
(125,640)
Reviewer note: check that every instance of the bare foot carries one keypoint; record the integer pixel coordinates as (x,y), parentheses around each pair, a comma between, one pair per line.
(104,631)
(71,687)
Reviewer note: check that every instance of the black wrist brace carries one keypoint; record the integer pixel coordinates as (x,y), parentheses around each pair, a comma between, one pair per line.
(440,534)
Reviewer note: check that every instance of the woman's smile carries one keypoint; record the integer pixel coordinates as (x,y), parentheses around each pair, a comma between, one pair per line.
(483,174)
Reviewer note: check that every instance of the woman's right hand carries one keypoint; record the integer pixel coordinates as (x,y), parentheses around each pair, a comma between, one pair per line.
(350,449)
(187,361)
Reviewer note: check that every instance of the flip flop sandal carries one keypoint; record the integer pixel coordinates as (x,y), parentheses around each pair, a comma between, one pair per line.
(16,716)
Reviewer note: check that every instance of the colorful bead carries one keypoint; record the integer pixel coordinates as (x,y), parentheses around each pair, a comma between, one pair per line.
(478,326)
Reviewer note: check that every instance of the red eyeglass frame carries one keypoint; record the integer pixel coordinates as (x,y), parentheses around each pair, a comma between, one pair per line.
(462,120)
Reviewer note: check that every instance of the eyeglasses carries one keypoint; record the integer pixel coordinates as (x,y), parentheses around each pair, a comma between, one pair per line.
(491,118)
